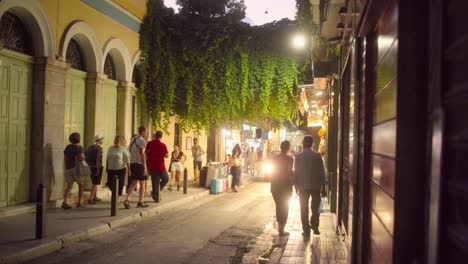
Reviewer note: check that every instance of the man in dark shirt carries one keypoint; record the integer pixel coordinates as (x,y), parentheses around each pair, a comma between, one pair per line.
(309,179)
(281,185)
(156,152)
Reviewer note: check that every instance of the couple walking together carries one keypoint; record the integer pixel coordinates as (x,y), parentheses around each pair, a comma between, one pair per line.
(307,174)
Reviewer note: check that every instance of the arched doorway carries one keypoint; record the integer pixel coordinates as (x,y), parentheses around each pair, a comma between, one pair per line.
(15,109)
(75,91)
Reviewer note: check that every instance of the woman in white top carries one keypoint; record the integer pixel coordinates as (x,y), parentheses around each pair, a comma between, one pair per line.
(177,166)
(118,164)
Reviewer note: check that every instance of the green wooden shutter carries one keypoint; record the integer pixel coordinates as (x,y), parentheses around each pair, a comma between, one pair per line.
(15,108)
(75,104)
(109,110)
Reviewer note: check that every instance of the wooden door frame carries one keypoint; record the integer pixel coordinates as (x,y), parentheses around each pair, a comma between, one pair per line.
(412,132)
(344,138)
(437,123)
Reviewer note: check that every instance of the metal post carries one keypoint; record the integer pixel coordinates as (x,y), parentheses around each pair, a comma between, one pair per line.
(185,180)
(41,207)
(115,195)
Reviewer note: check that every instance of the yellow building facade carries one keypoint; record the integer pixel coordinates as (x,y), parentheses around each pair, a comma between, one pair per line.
(68,66)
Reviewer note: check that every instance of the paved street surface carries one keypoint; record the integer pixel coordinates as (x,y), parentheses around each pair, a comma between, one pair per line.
(323,249)
(17,232)
(217,231)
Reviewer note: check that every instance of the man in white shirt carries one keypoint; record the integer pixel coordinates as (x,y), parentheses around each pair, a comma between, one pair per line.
(138,166)
(197,153)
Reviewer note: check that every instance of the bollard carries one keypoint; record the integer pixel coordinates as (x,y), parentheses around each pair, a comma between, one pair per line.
(115,195)
(41,207)
(185,180)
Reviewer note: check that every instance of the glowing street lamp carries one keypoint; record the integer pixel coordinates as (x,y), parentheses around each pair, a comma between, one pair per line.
(299,41)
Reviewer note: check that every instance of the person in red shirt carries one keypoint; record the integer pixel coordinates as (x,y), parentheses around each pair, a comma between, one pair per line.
(156,152)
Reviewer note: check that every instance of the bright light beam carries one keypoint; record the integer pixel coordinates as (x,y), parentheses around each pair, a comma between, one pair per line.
(299,41)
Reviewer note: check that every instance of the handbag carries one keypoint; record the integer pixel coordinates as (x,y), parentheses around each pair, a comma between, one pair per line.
(83,168)
(324,205)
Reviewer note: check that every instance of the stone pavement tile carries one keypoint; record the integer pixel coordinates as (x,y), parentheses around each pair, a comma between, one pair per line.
(325,248)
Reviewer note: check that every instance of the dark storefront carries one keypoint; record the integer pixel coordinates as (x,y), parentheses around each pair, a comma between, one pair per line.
(403,136)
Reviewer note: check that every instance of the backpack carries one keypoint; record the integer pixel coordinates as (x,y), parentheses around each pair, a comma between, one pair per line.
(91,154)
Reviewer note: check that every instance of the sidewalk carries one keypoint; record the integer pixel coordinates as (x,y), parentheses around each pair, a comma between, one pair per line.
(324,248)
(65,227)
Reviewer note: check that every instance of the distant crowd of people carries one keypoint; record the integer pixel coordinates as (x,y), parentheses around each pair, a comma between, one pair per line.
(139,161)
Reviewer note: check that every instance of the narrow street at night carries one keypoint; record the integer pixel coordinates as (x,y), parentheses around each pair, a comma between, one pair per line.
(233,131)
(216,231)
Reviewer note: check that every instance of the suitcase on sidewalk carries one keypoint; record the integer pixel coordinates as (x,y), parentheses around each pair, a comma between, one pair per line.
(220,185)
(230,181)
(215,187)
(203,176)
(223,184)
(210,175)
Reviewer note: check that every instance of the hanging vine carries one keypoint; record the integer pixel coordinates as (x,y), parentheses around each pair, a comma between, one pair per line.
(216,70)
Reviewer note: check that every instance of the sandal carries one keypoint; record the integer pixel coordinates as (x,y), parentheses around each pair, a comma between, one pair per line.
(169,188)
(127,204)
(80,205)
(91,201)
(142,205)
(66,206)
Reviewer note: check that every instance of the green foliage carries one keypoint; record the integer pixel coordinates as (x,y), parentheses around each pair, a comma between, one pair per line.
(306,21)
(234,9)
(214,70)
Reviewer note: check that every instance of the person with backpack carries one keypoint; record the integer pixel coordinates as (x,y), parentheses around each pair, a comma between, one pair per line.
(138,167)
(93,156)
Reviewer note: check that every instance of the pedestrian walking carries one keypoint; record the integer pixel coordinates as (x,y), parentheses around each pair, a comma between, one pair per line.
(177,166)
(282,185)
(93,155)
(197,154)
(309,180)
(73,155)
(252,160)
(245,156)
(137,167)
(236,171)
(117,164)
(156,152)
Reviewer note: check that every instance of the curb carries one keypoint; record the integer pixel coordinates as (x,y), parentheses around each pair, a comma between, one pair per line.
(68,239)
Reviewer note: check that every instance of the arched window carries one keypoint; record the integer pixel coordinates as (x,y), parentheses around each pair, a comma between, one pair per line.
(109,67)
(136,76)
(75,56)
(13,34)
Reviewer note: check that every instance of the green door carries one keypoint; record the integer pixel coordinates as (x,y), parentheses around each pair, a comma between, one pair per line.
(15,106)
(109,111)
(75,110)
(75,104)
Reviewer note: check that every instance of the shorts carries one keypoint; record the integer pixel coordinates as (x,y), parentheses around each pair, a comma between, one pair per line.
(96,177)
(71,175)
(138,172)
(197,164)
(177,166)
